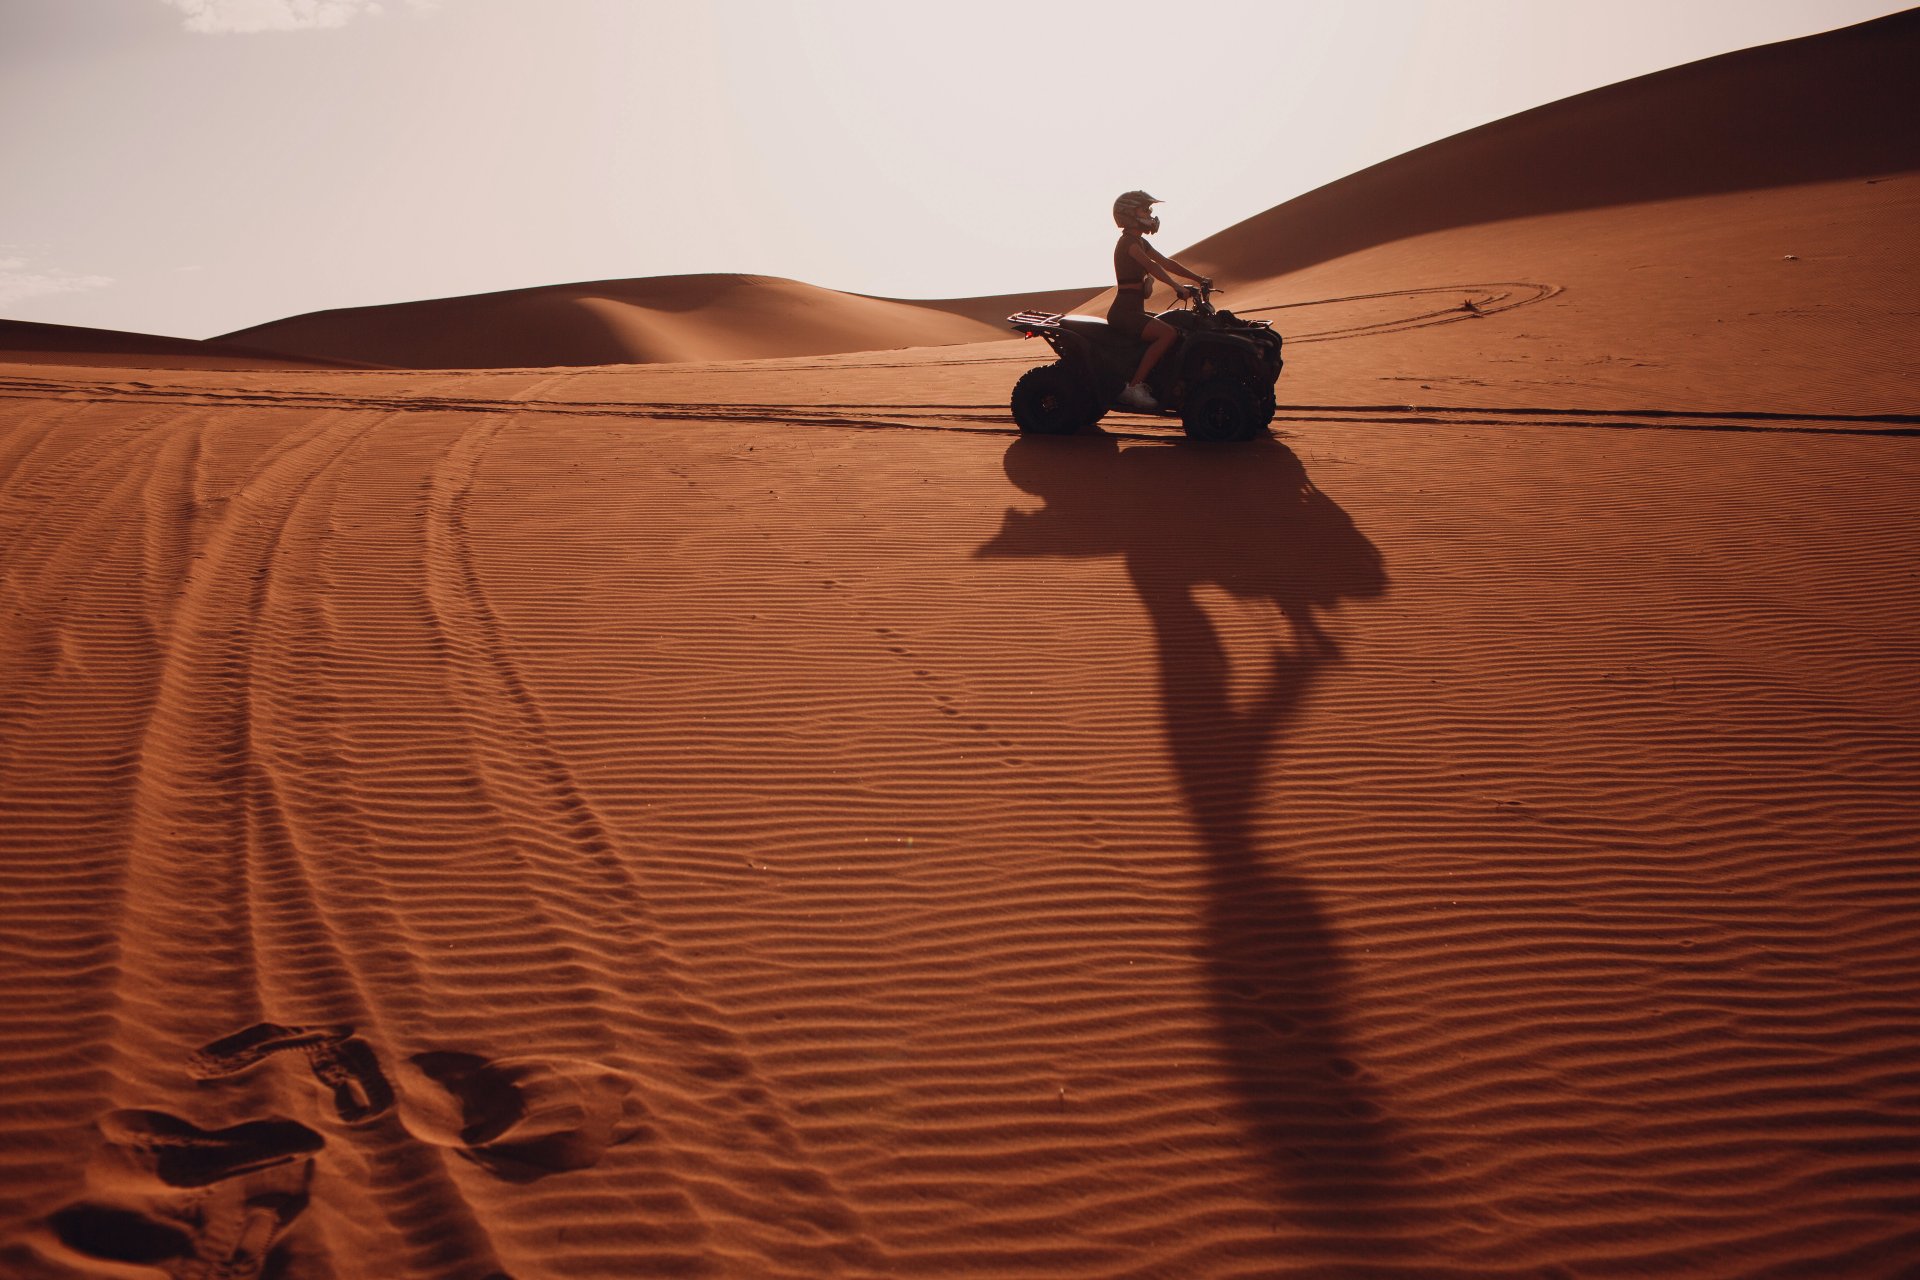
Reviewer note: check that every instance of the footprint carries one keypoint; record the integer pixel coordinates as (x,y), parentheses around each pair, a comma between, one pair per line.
(181,1154)
(220,1209)
(524,1118)
(348,1067)
(235,1053)
(118,1234)
(240,1233)
(340,1060)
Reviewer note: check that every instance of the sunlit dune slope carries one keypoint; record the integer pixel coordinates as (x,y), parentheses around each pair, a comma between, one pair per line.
(32,343)
(663,318)
(993,309)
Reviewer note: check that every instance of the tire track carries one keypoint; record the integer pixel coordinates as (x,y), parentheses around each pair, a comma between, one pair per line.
(80,825)
(993,420)
(81,675)
(1482,301)
(218,904)
(720,1107)
(319,961)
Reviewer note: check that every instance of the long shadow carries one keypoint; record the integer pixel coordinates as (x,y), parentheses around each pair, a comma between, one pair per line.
(1245,519)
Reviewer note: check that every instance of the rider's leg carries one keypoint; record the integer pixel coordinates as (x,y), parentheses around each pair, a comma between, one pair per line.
(1159,336)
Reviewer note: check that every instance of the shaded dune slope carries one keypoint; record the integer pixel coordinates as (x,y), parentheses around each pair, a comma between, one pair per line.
(658,319)
(1838,105)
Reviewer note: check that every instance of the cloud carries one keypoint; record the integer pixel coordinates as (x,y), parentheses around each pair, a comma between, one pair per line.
(21,279)
(221,16)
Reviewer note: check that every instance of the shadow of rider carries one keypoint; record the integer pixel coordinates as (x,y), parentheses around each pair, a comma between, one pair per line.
(1245,520)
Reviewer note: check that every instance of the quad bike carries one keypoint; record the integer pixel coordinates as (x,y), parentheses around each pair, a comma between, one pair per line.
(1218,376)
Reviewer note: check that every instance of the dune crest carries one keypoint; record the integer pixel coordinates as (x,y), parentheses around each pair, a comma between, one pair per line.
(26,342)
(1820,109)
(654,320)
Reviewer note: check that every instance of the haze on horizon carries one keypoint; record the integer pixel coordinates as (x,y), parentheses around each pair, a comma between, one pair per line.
(191,167)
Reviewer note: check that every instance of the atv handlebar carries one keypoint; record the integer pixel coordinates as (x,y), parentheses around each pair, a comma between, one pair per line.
(1202,296)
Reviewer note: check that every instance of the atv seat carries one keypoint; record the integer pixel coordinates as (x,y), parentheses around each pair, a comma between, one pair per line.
(1091,326)
(1090,329)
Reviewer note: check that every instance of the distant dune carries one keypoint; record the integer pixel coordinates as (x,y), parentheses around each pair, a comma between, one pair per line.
(30,343)
(645,321)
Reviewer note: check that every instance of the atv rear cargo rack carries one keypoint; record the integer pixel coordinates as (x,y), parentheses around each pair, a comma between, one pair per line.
(1028,321)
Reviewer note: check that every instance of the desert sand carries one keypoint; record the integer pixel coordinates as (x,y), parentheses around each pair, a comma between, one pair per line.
(748,812)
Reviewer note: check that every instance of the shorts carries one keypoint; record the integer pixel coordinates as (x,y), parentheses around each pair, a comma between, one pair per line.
(1128,314)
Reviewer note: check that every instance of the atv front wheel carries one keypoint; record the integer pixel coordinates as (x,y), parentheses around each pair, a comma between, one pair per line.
(1050,401)
(1223,409)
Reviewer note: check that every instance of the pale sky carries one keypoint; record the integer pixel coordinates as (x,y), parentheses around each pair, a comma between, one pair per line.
(190,167)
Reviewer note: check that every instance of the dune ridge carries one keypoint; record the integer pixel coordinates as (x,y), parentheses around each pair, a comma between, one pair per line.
(1725,124)
(656,319)
(25,342)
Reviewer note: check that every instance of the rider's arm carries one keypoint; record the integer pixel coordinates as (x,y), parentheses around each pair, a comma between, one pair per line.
(1179,290)
(1159,263)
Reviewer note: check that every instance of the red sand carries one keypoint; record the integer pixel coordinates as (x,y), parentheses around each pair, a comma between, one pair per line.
(767,819)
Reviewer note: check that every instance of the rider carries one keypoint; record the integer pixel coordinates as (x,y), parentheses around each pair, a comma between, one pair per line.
(1133,259)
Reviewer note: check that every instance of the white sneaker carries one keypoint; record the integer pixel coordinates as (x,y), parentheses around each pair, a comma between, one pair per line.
(1136,396)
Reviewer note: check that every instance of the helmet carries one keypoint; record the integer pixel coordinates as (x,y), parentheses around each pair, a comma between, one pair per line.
(1134,211)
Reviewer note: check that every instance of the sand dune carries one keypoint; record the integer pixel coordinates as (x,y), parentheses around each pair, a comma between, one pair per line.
(663,318)
(25,342)
(765,818)
(1827,108)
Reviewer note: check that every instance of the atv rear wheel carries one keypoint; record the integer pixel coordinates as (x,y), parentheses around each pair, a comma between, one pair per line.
(1223,409)
(1050,401)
